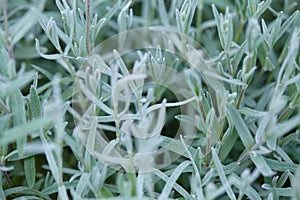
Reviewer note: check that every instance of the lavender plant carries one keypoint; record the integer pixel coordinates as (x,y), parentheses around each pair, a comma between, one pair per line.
(153,99)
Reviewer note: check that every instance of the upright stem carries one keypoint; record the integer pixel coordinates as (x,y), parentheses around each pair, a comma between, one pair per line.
(240,98)
(5,16)
(6,26)
(10,52)
(202,110)
(87,25)
(207,153)
(239,32)
(199,20)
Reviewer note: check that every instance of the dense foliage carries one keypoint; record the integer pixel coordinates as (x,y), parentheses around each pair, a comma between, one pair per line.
(149,99)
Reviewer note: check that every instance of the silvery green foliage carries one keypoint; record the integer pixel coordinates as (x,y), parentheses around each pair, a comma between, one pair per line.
(157,99)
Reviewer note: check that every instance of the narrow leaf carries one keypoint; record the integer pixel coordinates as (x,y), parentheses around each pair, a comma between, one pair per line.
(241,127)
(17,132)
(221,174)
(177,187)
(35,103)
(91,137)
(26,23)
(296,185)
(261,164)
(286,126)
(281,166)
(262,7)
(29,169)
(172,180)
(19,117)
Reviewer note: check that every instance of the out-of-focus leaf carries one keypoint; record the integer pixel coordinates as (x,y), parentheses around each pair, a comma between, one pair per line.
(20,82)
(19,117)
(20,131)
(26,23)
(35,104)
(29,169)
(25,191)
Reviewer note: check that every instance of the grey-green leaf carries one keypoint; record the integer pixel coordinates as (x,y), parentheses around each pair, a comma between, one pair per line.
(21,28)
(30,171)
(296,185)
(261,164)
(172,180)
(35,103)
(241,127)
(19,117)
(17,132)
(221,174)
